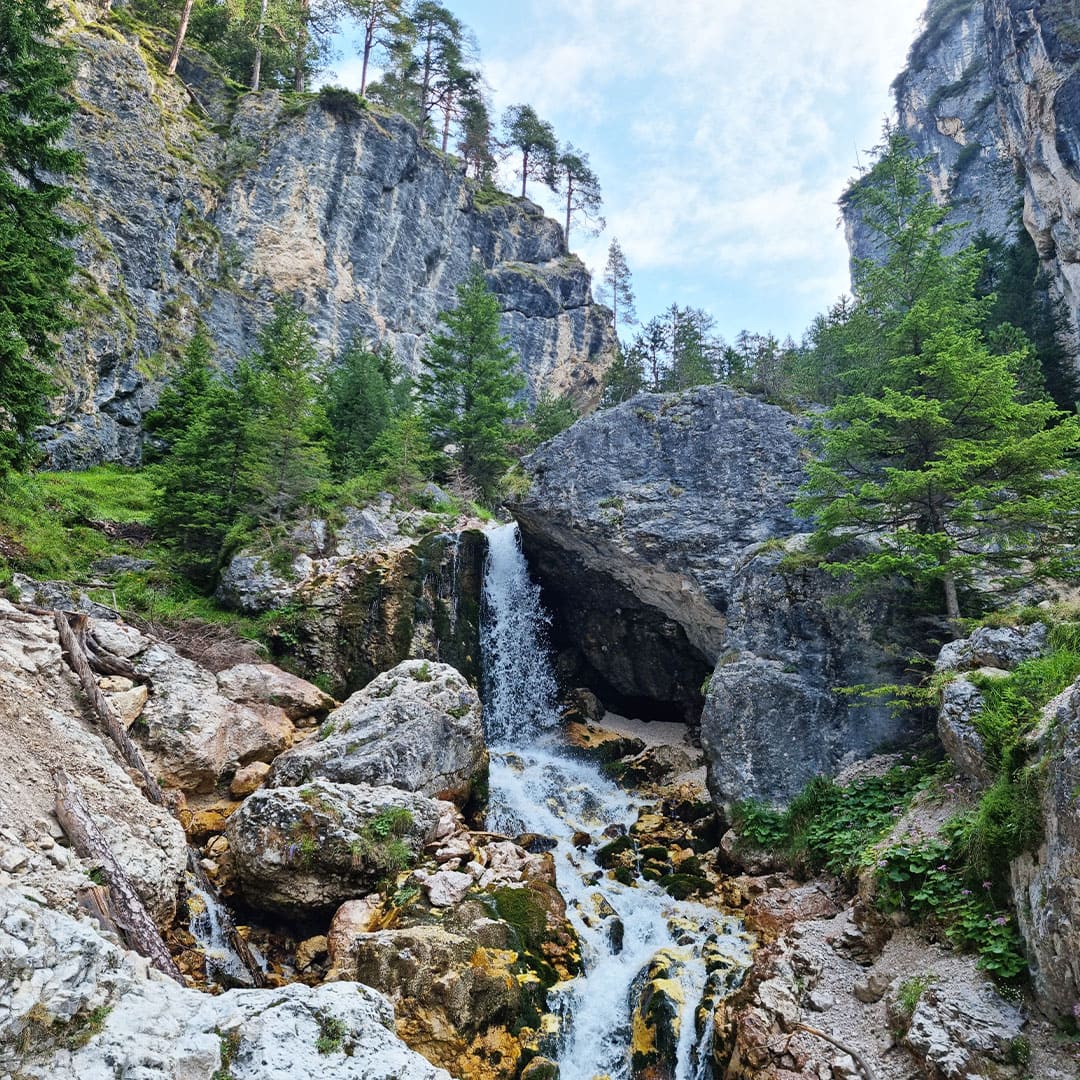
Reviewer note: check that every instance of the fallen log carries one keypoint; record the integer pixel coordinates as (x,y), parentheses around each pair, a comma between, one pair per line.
(124,906)
(71,641)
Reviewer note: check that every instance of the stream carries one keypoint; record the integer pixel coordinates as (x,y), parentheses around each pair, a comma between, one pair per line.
(537,786)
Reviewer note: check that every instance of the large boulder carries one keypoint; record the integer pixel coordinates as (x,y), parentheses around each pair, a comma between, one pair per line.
(663,534)
(265,684)
(195,733)
(306,850)
(362,594)
(417,727)
(75,1007)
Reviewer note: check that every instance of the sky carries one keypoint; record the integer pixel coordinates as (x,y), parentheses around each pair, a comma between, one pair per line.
(722,132)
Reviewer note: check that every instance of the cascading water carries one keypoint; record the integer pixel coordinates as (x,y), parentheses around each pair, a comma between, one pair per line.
(537,787)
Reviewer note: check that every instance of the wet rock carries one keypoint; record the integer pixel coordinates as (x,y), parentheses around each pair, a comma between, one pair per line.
(209,819)
(306,850)
(657,999)
(310,950)
(540,1068)
(417,727)
(264,684)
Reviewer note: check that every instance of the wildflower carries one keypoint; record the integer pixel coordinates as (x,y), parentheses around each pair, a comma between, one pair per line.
(988,884)
(943,867)
(1001,921)
(965,892)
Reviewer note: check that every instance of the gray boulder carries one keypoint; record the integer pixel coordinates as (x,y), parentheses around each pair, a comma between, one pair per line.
(416,727)
(265,684)
(663,536)
(306,850)
(1000,647)
(194,732)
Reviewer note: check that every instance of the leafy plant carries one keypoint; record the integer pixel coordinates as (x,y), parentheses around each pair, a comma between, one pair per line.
(332,1032)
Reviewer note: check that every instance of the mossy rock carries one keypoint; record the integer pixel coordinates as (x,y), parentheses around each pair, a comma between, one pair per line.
(608,855)
(683,886)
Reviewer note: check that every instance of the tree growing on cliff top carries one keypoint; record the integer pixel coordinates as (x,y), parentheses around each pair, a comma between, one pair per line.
(535,139)
(35,263)
(468,392)
(575,179)
(939,460)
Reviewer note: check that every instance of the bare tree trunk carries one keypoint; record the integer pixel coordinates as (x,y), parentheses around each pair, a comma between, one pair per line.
(369,41)
(126,909)
(952,602)
(256,66)
(110,721)
(569,199)
(181,33)
(301,46)
(446,123)
(524,171)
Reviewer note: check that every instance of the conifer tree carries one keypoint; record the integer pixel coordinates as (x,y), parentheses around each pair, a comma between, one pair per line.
(623,379)
(469,390)
(535,139)
(287,458)
(938,459)
(620,291)
(576,180)
(35,263)
(180,400)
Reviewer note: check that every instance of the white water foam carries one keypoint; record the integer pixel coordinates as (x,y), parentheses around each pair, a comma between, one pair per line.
(537,787)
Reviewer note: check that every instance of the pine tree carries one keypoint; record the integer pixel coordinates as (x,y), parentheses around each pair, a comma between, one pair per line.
(35,264)
(575,178)
(363,394)
(623,379)
(535,139)
(468,392)
(621,293)
(181,398)
(204,488)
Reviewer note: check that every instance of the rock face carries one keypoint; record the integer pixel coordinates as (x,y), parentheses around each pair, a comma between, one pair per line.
(195,732)
(1046,885)
(75,1006)
(369,592)
(210,209)
(306,850)
(417,727)
(991,95)
(657,530)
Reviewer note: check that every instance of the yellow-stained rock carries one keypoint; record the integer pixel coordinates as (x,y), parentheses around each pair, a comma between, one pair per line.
(209,819)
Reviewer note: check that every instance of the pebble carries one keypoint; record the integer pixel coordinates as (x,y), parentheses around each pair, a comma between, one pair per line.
(13,859)
(820,1000)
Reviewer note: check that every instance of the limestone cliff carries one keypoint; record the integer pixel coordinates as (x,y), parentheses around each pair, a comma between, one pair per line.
(991,95)
(201,203)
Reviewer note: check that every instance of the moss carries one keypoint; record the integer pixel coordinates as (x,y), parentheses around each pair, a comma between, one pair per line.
(683,886)
(608,855)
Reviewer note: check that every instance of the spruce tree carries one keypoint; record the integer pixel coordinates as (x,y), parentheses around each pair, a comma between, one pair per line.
(620,291)
(288,424)
(468,392)
(939,460)
(35,263)
(180,400)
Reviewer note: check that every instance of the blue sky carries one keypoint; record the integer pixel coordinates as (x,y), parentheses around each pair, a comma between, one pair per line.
(722,132)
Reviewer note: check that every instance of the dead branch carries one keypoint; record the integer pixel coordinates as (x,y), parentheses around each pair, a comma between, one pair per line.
(850,1050)
(70,640)
(124,906)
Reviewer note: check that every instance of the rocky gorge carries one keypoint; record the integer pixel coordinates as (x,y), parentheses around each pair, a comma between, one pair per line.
(597,783)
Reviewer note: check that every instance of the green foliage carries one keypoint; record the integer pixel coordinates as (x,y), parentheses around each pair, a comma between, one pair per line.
(36,264)
(469,389)
(623,378)
(332,1032)
(535,140)
(176,407)
(574,177)
(620,291)
(910,992)
(925,880)
(364,391)
(551,414)
(829,827)
(947,91)
(937,456)
(422,673)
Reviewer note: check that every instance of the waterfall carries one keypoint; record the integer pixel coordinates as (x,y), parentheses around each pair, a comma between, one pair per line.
(537,786)
(207,926)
